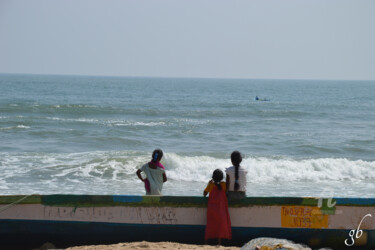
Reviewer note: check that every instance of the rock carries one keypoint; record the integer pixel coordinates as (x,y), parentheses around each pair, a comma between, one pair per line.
(46,246)
(273,244)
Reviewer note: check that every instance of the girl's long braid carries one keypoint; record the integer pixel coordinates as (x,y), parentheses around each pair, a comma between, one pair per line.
(236,176)
(218,185)
(236,158)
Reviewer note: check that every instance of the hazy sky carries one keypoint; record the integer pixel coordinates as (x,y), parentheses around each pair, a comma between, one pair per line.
(289,39)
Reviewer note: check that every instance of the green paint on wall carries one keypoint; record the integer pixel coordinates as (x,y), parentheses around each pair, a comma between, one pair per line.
(310,202)
(151,199)
(20,199)
(328,206)
(171,201)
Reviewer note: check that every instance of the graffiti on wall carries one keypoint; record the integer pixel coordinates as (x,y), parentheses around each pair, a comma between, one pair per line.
(303,217)
(141,215)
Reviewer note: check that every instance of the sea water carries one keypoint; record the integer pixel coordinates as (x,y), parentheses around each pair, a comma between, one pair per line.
(88,135)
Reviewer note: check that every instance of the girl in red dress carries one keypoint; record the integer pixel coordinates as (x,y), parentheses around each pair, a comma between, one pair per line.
(218,220)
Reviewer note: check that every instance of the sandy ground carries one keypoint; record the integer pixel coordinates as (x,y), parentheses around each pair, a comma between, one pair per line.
(151,245)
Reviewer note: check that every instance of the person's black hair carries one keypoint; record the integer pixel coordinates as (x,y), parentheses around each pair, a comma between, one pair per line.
(236,158)
(217,176)
(157,155)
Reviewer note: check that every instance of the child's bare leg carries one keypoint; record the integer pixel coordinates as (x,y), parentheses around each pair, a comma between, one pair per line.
(219,241)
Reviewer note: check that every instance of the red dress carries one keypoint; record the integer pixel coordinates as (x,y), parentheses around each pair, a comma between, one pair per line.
(218,220)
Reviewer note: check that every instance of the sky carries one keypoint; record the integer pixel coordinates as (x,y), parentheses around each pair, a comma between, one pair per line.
(261,39)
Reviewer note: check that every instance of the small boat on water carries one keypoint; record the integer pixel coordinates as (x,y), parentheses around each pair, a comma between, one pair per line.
(67,220)
(262,99)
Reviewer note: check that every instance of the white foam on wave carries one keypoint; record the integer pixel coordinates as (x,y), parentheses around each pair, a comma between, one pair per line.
(84,120)
(196,168)
(114,173)
(323,169)
(16,127)
(271,170)
(145,124)
(22,126)
(58,106)
(192,168)
(118,123)
(6,128)
(132,123)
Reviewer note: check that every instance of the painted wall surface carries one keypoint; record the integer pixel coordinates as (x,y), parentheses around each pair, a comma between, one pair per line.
(190,211)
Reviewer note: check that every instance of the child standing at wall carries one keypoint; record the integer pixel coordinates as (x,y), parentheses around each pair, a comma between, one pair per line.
(155,174)
(236,177)
(218,220)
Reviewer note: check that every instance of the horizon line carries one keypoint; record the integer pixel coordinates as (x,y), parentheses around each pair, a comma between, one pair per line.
(186,77)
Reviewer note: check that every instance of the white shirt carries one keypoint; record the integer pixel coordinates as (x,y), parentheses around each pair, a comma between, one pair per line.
(241,178)
(155,177)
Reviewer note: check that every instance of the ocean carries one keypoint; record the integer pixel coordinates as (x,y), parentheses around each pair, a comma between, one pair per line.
(89,134)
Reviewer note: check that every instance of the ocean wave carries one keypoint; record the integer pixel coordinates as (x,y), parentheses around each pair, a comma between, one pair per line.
(84,120)
(16,127)
(110,122)
(131,123)
(197,168)
(134,123)
(41,108)
(315,170)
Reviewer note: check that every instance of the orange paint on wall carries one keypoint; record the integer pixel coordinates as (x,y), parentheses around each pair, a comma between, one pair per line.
(303,217)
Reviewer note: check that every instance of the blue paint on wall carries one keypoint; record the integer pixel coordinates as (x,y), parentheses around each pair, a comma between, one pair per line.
(355,201)
(127,198)
(32,233)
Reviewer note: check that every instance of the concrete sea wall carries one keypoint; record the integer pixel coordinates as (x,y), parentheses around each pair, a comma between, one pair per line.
(99,219)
